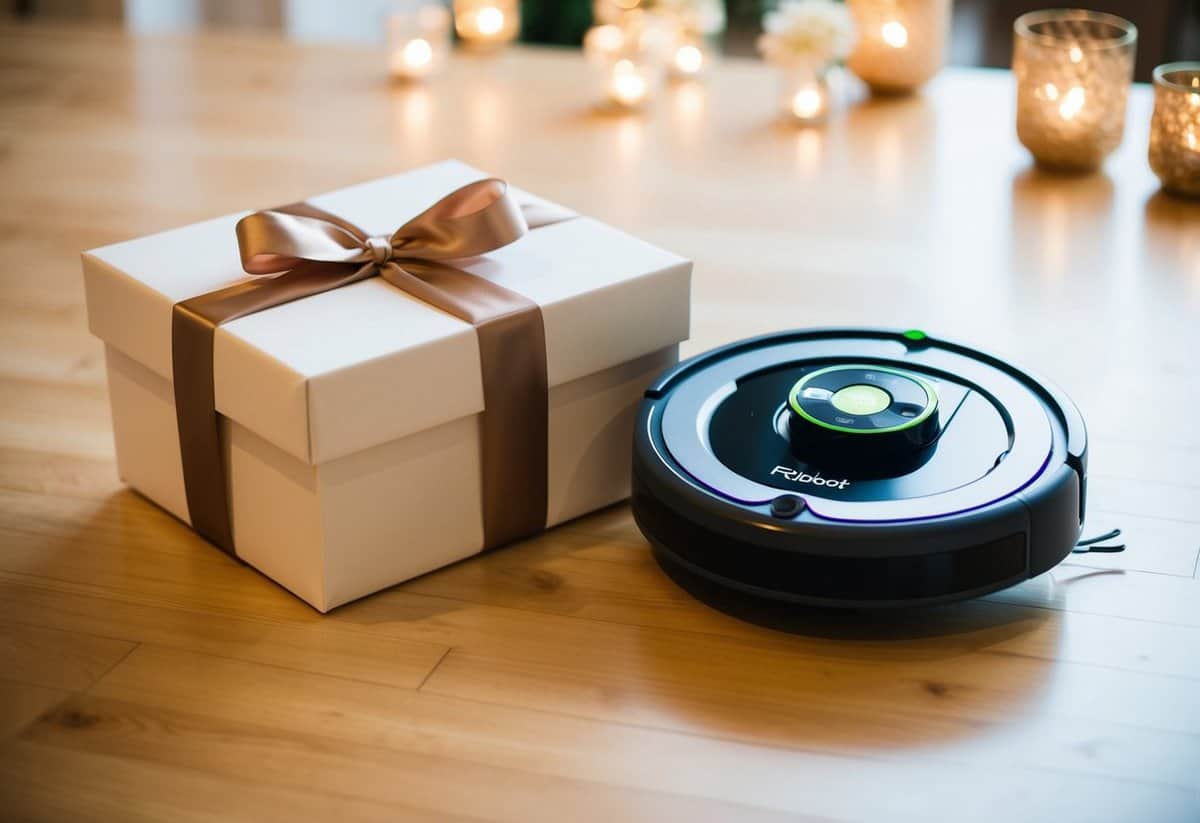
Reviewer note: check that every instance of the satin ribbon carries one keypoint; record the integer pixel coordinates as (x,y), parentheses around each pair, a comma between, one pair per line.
(298,250)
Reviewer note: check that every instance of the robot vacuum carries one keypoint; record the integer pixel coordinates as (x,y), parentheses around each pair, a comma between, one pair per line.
(855,468)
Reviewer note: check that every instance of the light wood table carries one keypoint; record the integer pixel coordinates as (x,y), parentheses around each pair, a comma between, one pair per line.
(143,675)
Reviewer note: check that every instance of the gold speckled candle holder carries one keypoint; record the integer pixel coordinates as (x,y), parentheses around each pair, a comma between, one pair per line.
(1073,71)
(1175,128)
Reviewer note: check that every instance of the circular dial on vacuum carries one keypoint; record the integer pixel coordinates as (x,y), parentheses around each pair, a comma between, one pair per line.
(862,412)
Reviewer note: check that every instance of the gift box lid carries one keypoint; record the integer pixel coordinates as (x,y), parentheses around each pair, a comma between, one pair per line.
(365,364)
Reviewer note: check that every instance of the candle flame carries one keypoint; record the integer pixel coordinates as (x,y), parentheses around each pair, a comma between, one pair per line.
(628,87)
(688,59)
(1050,92)
(1076,54)
(418,53)
(894,34)
(1072,104)
(807,103)
(489,20)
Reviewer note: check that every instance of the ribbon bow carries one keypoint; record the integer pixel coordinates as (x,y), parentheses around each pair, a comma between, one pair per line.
(478,218)
(299,250)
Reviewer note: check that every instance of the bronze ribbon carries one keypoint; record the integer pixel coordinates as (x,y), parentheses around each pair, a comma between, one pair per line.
(309,251)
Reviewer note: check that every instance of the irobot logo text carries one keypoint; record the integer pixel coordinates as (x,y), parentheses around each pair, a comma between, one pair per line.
(797,476)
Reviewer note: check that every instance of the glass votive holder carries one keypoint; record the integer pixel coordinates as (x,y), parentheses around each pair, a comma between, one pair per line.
(1073,71)
(487,24)
(1175,128)
(901,43)
(418,42)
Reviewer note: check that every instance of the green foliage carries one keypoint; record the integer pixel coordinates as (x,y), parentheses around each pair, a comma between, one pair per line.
(557,22)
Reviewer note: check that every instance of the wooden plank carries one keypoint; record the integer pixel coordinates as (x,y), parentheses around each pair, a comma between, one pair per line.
(22,703)
(57,659)
(1121,460)
(53,473)
(1080,589)
(291,759)
(791,777)
(124,541)
(1146,498)
(39,783)
(311,644)
(1152,544)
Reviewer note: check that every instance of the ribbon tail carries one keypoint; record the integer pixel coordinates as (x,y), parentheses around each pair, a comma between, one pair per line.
(199,426)
(515,423)
(194,324)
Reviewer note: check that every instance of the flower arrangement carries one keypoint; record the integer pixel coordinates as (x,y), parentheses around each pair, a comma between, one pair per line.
(811,33)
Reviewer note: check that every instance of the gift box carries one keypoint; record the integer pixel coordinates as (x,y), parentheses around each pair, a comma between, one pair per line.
(346,436)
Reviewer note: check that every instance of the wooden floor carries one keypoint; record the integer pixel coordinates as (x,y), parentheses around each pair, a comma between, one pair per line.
(143,675)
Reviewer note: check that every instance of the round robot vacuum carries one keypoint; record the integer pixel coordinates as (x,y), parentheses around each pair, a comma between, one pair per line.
(855,468)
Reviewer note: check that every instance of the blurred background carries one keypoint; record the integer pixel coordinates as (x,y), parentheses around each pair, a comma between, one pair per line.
(982,31)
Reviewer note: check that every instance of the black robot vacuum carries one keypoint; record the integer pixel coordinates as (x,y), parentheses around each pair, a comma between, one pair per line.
(855,468)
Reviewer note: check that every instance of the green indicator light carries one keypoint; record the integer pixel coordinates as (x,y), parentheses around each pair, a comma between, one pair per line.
(915,334)
(861,399)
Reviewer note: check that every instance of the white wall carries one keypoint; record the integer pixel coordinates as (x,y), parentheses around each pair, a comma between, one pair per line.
(311,20)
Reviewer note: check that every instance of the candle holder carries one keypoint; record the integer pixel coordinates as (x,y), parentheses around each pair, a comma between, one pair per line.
(633,57)
(418,42)
(1175,128)
(1073,71)
(901,43)
(487,24)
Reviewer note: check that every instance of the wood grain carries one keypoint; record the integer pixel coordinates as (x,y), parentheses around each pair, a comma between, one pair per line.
(21,704)
(146,676)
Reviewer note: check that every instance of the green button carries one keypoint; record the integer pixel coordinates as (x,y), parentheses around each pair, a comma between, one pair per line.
(861,399)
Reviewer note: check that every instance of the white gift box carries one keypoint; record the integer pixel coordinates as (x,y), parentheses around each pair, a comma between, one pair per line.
(350,419)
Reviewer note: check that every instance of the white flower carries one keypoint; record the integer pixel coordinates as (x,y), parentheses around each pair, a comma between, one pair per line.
(807,32)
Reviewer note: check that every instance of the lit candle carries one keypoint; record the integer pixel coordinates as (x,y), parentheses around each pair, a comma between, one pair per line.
(1175,128)
(901,43)
(1073,71)
(418,42)
(689,58)
(602,44)
(806,96)
(487,23)
(628,84)
(630,58)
